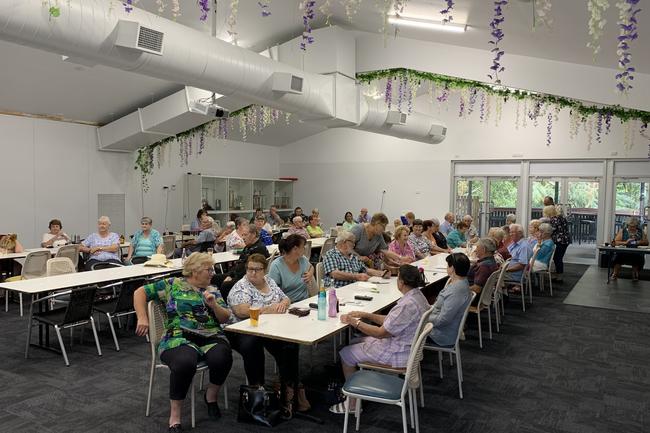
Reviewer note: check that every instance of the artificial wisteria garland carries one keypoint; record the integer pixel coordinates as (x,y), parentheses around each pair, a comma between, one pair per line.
(597,23)
(232,20)
(542,13)
(265,7)
(497,36)
(308,13)
(627,23)
(204,6)
(128,6)
(446,12)
(326,10)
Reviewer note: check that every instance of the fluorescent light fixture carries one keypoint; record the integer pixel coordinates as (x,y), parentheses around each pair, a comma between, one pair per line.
(427,24)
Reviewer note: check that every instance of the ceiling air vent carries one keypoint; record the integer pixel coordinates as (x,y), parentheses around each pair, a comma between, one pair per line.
(396,118)
(286,83)
(130,34)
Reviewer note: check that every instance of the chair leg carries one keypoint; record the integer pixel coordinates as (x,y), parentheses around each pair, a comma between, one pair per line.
(410,392)
(110,325)
(225,395)
(404,425)
(6,301)
(523,297)
(451,359)
(92,325)
(29,334)
(550,283)
(489,310)
(151,377)
(357,412)
(421,387)
(417,418)
(480,330)
(460,375)
(530,288)
(192,390)
(20,302)
(347,416)
(58,335)
(440,363)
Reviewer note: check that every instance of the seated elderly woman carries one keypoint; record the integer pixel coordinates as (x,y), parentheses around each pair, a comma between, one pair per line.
(480,271)
(266,235)
(498,235)
(370,243)
(235,241)
(348,221)
(456,238)
(195,226)
(472,231)
(451,302)
(146,242)
(203,241)
(297,228)
(388,337)
(533,232)
(401,246)
(220,243)
(630,235)
(292,272)
(103,246)
(342,267)
(421,245)
(544,247)
(258,290)
(192,306)
(431,231)
(55,237)
(313,228)
(9,244)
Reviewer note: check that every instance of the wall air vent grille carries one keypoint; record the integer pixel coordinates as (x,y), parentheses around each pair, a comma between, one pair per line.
(150,40)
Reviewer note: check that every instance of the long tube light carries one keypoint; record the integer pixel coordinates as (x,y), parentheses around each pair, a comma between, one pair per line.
(427,24)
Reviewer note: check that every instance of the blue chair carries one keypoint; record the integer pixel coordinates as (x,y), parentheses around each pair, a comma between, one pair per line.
(387,388)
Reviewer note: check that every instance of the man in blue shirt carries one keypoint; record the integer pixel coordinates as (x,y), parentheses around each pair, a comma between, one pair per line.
(520,253)
(448,224)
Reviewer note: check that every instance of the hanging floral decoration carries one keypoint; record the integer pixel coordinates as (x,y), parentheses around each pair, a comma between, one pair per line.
(232,20)
(542,13)
(265,7)
(308,12)
(204,7)
(128,6)
(627,23)
(597,22)
(446,12)
(161,6)
(385,13)
(326,10)
(497,37)
(351,8)
(176,9)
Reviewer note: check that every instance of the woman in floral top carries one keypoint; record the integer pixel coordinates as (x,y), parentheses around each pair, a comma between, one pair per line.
(259,290)
(192,306)
(561,237)
(421,245)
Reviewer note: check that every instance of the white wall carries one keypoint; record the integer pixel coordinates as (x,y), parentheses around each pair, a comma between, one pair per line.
(53,170)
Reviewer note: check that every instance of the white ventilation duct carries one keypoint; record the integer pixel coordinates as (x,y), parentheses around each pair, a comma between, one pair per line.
(99,31)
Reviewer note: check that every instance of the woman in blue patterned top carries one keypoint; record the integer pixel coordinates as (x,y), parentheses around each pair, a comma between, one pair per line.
(145,243)
(103,246)
(631,236)
(193,333)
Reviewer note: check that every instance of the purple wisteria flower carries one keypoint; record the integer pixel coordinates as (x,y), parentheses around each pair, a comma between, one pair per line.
(307,17)
(388,95)
(497,35)
(204,5)
(549,128)
(128,6)
(446,13)
(628,32)
(264,7)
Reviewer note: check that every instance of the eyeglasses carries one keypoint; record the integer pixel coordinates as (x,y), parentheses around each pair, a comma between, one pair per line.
(209,270)
(255,270)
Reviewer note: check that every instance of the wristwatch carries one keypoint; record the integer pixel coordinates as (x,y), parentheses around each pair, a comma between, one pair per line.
(356,325)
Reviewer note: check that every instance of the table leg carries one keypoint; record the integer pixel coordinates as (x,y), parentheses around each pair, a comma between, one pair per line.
(609,264)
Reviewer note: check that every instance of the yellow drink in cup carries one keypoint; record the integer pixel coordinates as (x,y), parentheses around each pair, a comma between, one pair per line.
(254,315)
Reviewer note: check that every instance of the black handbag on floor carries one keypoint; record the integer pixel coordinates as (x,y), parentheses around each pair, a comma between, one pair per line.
(259,405)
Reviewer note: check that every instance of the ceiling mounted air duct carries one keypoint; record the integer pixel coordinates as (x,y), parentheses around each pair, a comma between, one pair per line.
(131,34)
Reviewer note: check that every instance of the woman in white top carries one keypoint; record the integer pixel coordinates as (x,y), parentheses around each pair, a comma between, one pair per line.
(55,237)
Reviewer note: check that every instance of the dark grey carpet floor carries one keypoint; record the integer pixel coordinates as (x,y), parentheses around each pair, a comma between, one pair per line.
(555,368)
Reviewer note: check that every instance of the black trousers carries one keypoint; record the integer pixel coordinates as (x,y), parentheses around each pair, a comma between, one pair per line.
(182,361)
(89,264)
(251,348)
(558,258)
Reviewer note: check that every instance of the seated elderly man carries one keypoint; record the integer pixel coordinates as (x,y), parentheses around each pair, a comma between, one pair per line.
(520,253)
(363,216)
(266,236)
(235,240)
(472,232)
(480,271)
(273,218)
(206,237)
(298,228)
(342,267)
(448,224)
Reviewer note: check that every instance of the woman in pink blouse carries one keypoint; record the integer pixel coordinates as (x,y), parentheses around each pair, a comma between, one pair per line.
(401,246)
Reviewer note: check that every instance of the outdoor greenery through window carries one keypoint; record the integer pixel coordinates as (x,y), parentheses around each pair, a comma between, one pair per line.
(631,197)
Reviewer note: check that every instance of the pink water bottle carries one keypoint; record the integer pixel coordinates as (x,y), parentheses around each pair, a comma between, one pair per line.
(333,305)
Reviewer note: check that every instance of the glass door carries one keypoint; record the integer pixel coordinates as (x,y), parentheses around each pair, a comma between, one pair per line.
(540,188)
(470,193)
(583,199)
(631,200)
(487,199)
(502,197)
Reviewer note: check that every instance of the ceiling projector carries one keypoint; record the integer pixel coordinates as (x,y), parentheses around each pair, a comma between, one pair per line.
(208,109)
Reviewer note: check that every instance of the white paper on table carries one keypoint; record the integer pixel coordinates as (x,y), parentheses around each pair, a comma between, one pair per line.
(378,280)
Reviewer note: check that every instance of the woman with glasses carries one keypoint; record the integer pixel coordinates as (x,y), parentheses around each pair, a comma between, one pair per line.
(257,289)
(193,333)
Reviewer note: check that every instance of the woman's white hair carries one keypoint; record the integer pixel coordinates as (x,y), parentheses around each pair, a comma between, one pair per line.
(105,219)
(195,262)
(344,236)
(546,228)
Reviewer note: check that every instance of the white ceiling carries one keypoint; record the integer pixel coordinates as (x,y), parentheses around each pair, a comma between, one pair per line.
(40,83)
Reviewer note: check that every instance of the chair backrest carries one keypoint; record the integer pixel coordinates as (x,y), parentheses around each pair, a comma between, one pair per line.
(412,376)
(185,227)
(532,259)
(308,249)
(125,299)
(157,317)
(319,274)
(105,265)
(462,321)
(138,260)
(35,265)
(327,245)
(80,306)
(169,243)
(334,231)
(502,274)
(60,266)
(488,288)
(272,257)
(71,252)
